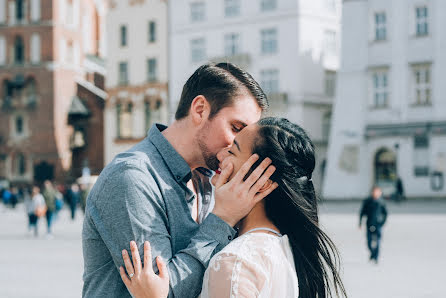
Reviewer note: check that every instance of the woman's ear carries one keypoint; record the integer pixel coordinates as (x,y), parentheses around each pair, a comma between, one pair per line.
(266,186)
(199,109)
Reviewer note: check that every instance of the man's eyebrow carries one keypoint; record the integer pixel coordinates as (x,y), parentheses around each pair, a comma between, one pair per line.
(238,146)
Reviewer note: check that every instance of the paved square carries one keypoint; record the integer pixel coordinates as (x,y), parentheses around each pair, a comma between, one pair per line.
(411,265)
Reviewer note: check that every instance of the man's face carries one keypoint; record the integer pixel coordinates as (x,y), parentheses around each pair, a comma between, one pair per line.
(219,132)
(377,193)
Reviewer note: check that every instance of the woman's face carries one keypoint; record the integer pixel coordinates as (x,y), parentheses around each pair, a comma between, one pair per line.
(239,152)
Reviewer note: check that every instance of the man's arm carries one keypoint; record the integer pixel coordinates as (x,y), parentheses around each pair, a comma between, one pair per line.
(130,210)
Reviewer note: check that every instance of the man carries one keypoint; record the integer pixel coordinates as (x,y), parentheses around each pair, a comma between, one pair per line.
(159,190)
(49,194)
(375,210)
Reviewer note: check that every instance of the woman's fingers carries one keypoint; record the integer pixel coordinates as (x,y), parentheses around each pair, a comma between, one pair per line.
(147,257)
(257,173)
(124,277)
(260,196)
(163,272)
(261,181)
(135,257)
(128,263)
(224,175)
(238,178)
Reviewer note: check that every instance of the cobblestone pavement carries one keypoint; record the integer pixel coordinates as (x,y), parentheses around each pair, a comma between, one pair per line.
(411,264)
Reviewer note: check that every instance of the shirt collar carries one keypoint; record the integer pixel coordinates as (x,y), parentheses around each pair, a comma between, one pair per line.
(175,162)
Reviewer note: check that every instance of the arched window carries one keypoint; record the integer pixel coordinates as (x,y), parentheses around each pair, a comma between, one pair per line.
(19,10)
(19,125)
(124,120)
(19,50)
(21,164)
(385,167)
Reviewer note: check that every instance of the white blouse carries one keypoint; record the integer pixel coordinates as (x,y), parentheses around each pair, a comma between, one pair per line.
(253,265)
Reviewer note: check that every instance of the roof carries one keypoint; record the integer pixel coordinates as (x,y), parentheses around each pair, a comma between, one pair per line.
(77,107)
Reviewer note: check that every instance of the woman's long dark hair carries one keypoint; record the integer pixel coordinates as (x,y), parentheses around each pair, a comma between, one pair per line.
(292,207)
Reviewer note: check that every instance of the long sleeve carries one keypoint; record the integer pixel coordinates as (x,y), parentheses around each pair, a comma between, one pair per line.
(128,209)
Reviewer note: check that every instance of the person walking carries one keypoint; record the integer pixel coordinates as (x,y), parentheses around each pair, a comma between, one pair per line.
(399,190)
(73,198)
(376,212)
(38,208)
(49,194)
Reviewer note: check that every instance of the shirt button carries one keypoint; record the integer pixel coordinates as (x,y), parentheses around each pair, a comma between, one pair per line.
(178,177)
(229,237)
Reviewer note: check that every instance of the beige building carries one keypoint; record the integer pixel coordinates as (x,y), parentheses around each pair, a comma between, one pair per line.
(136,72)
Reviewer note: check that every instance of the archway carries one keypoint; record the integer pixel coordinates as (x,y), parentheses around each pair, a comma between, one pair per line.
(385,170)
(43,171)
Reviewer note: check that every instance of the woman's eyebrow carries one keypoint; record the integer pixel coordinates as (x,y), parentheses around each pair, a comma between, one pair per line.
(237,144)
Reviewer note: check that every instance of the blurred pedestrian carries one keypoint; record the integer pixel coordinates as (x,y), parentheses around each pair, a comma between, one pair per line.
(73,197)
(399,190)
(85,190)
(6,196)
(49,194)
(375,210)
(14,196)
(37,209)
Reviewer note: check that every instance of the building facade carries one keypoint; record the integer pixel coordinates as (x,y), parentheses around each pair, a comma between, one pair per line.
(290,47)
(43,44)
(136,72)
(389,117)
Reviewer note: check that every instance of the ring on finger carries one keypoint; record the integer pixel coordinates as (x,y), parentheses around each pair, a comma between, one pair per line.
(131,275)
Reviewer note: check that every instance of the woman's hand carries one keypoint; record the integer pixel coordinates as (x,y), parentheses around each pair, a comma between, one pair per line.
(143,282)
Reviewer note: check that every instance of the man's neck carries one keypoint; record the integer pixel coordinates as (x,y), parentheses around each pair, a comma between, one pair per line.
(256,219)
(182,139)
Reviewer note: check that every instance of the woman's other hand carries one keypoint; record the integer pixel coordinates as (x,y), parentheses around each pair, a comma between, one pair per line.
(141,281)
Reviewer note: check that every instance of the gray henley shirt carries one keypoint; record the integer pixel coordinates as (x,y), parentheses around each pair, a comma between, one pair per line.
(142,195)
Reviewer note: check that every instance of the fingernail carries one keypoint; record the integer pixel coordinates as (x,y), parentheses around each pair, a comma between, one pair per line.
(124,252)
(132,244)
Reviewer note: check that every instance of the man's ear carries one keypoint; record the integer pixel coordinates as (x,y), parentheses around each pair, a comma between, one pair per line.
(199,109)
(266,186)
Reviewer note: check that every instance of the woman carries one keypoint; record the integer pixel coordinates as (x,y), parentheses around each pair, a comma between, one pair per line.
(281,251)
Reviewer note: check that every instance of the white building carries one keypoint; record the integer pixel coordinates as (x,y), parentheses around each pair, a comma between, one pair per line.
(136,72)
(290,47)
(390,111)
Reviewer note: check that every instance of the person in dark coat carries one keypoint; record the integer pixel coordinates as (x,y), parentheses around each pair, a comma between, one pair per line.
(399,190)
(376,212)
(73,198)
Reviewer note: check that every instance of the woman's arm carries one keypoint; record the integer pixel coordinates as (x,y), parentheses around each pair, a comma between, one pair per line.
(141,281)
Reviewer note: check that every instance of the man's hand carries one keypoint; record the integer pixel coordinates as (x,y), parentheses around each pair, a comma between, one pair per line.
(235,199)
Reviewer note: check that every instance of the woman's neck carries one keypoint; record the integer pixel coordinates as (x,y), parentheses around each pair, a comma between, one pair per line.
(256,219)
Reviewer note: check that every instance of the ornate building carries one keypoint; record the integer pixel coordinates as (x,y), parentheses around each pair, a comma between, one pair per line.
(136,72)
(43,48)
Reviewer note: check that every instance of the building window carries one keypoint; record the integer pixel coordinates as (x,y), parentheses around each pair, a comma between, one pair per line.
(124,120)
(35,48)
(21,164)
(2,50)
(421,155)
(232,8)
(153,113)
(331,5)
(19,125)
(19,50)
(421,14)
(198,49)
(123,31)
(152,31)
(269,41)
(326,121)
(269,79)
(330,83)
(19,10)
(268,5)
(330,44)
(123,73)
(151,70)
(380,26)
(380,88)
(422,84)
(232,44)
(3,11)
(35,10)
(197,11)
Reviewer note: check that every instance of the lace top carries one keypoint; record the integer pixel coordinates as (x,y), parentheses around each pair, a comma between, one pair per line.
(253,265)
